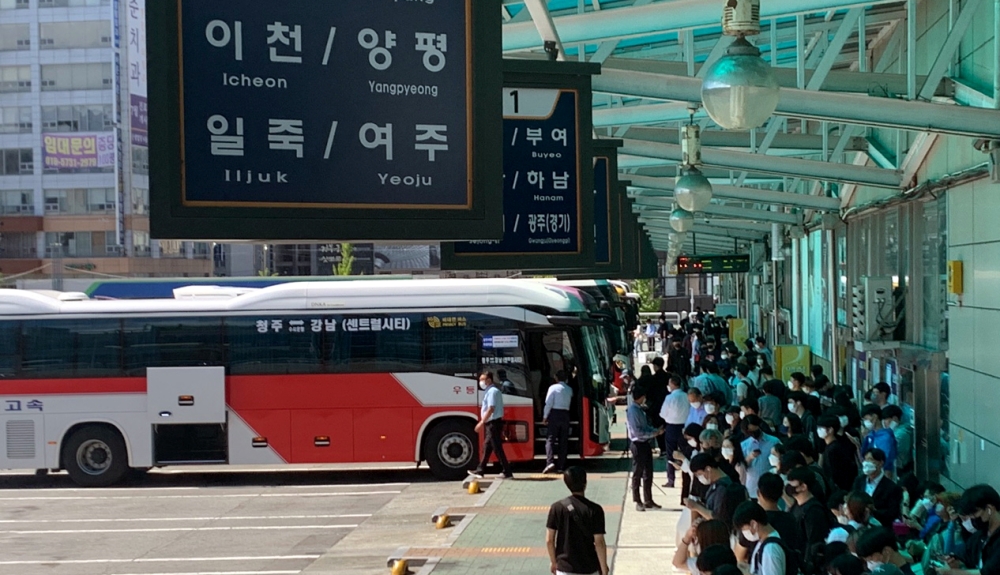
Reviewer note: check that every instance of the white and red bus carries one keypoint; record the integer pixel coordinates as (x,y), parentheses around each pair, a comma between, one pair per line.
(328,372)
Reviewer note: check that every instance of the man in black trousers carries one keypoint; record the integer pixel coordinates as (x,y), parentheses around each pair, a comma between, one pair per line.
(640,435)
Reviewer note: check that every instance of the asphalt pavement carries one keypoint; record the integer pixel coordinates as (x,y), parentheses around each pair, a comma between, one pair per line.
(227,523)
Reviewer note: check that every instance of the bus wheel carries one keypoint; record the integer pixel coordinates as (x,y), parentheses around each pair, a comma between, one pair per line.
(95,456)
(450,449)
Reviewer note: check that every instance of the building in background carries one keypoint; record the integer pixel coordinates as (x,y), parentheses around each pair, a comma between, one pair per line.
(74,161)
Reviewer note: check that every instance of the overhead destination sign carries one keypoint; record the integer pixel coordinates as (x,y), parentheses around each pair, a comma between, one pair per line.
(547,176)
(342,110)
(713,264)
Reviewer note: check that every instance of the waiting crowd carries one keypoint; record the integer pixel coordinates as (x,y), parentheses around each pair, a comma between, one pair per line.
(786,478)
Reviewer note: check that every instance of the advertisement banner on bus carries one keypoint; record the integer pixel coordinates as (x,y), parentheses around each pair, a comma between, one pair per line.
(306,117)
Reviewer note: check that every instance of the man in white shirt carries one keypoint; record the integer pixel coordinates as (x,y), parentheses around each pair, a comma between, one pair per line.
(675,411)
(556,417)
(768,556)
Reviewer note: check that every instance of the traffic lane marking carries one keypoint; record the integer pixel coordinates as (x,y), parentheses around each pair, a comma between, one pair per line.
(217,496)
(174,529)
(164,560)
(140,488)
(156,519)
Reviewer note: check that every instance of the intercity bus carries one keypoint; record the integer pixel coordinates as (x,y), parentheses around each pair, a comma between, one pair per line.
(298,373)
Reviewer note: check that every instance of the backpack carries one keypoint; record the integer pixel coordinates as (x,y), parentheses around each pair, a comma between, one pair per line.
(792,560)
(753,392)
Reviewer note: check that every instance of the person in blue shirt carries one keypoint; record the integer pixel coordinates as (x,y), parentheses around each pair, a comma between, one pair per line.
(878,436)
(697,413)
(640,434)
(491,420)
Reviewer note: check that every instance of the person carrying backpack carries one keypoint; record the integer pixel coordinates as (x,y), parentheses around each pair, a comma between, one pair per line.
(770,555)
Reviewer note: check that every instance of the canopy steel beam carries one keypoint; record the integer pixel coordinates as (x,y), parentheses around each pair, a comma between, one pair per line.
(835,80)
(655,18)
(660,208)
(711,229)
(727,139)
(811,169)
(947,52)
(661,185)
(836,107)
(544,25)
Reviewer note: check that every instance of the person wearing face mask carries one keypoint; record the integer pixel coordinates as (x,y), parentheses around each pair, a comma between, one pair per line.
(770,490)
(922,513)
(856,516)
(701,535)
(879,548)
(722,490)
(892,419)
(491,423)
(675,411)
(797,402)
(881,394)
(887,495)
(760,346)
(774,459)
(742,385)
(732,454)
(711,443)
(756,448)
(950,536)
(640,435)
(878,436)
(814,519)
(769,555)
(697,413)
(709,381)
(840,454)
(978,510)
(795,381)
(686,450)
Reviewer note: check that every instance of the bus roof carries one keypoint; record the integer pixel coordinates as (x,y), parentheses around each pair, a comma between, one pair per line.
(155,288)
(332,296)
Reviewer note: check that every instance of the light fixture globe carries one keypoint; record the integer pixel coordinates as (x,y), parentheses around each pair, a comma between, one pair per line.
(693,191)
(740,91)
(681,220)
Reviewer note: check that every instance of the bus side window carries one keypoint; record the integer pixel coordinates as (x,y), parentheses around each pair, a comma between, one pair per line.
(10,335)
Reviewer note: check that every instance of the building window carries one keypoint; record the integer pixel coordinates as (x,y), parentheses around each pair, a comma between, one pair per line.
(80,201)
(18,245)
(17,162)
(140,160)
(56,77)
(71,3)
(15,120)
(140,244)
(17,202)
(14,4)
(80,244)
(171,249)
(15,79)
(140,201)
(56,35)
(15,37)
(77,118)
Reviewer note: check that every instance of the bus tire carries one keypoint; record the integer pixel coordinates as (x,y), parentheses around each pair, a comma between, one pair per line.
(95,456)
(451,449)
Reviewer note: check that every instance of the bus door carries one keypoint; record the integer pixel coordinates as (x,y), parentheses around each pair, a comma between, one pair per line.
(503,352)
(548,352)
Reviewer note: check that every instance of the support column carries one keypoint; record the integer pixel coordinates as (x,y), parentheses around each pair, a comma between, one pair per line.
(831,290)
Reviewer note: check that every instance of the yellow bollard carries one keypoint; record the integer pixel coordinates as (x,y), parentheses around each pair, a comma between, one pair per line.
(400,567)
(473,487)
(443,522)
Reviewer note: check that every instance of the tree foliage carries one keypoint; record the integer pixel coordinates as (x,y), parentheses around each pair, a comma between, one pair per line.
(346,265)
(649,302)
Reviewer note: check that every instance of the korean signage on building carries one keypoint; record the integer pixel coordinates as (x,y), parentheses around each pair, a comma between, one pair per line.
(548,175)
(135,39)
(370,109)
(78,151)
